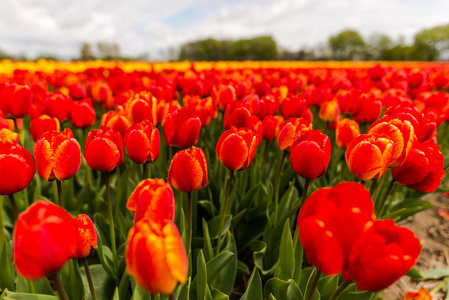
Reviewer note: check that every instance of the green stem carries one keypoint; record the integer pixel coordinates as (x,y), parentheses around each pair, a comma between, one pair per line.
(305,190)
(89,278)
(30,286)
(2,226)
(276,188)
(111,219)
(313,285)
(340,290)
(59,186)
(384,199)
(189,223)
(14,206)
(144,171)
(264,158)
(372,187)
(60,286)
(225,204)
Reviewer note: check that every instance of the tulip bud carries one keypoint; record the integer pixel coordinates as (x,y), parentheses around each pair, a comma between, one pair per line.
(142,142)
(155,256)
(236,148)
(58,155)
(188,170)
(43,124)
(83,113)
(87,236)
(45,238)
(182,128)
(104,149)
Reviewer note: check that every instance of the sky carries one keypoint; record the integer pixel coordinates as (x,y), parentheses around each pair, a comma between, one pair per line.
(60,27)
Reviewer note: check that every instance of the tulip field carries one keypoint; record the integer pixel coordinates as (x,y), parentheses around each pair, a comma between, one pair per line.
(224,180)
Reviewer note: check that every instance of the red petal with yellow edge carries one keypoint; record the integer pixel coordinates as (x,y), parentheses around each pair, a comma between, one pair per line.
(176,253)
(67,159)
(233,152)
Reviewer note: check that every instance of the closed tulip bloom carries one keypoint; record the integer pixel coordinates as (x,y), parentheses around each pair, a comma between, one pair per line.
(188,170)
(423,169)
(116,120)
(45,238)
(253,101)
(289,130)
(141,107)
(104,149)
(142,142)
(77,91)
(421,294)
(8,136)
(330,221)
(329,111)
(223,95)
(152,199)
(17,168)
(381,255)
(310,154)
(83,113)
(269,105)
(58,155)
(271,127)
(236,148)
(368,156)
(43,124)
(345,131)
(155,256)
(293,106)
(18,100)
(182,128)
(370,110)
(87,236)
(401,133)
(57,105)
(164,108)
(237,114)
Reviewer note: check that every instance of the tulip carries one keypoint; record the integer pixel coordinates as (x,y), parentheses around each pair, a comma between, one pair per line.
(223,95)
(271,127)
(87,236)
(368,156)
(83,113)
(310,154)
(57,105)
(58,155)
(236,148)
(401,133)
(423,169)
(141,107)
(104,149)
(45,238)
(164,108)
(237,114)
(345,132)
(152,199)
(15,100)
(269,105)
(182,128)
(289,130)
(253,102)
(142,143)
(329,223)
(99,91)
(293,106)
(155,256)
(43,124)
(381,255)
(8,136)
(77,91)
(116,120)
(329,111)
(421,294)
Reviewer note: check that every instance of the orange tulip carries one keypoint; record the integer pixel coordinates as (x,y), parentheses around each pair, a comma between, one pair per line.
(155,256)
(153,199)
(289,130)
(345,132)
(142,142)
(141,107)
(188,170)
(58,155)
(9,136)
(116,120)
(87,236)
(329,111)
(104,149)
(369,155)
(223,95)
(421,294)
(236,148)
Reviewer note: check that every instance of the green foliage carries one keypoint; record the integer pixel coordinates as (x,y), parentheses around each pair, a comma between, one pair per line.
(347,45)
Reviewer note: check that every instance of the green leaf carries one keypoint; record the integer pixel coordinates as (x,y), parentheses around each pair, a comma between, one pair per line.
(254,290)
(104,284)
(105,256)
(214,225)
(116,294)
(124,286)
(183,291)
(207,206)
(201,276)
(207,244)
(218,295)
(293,291)
(71,278)
(435,273)
(7,269)
(276,287)
(41,286)
(287,200)
(286,261)
(356,296)
(271,297)
(217,264)
(408,208)
(242,268)
(327,286)
(414,273)
(21,296)
(237,218)
(225,279)
(259,248)
(298,258)
(140,294)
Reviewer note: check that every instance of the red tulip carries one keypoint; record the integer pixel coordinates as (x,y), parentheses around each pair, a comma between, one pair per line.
(289,130)
(237,114)
(141,107)
(104,149)
(271,127)
(15,100)
(269,105)
(152,199)
(310,154)
(87,236)
(293,106)
(188,170)
(330,221)
(8,136)
(43,124)
(236,148)
(223,95)
(421,294)
(17,168)
(182,128)
(83,113)
(329,111)
(57,105)
(345,132)
(116,120)
(155,256)
(142,142)
(45,237)
(58,155)
(381,255)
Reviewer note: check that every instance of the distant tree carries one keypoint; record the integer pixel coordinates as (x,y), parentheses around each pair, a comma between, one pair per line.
(108,50)
(347,45)
(86,52)
(429,43)
(377,44)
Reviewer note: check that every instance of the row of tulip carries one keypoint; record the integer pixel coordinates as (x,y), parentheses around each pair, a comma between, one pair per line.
(236,201)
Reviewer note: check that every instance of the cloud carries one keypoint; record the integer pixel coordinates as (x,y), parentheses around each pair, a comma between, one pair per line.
(34,27)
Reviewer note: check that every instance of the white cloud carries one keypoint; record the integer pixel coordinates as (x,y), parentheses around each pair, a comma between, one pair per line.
(34,27)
